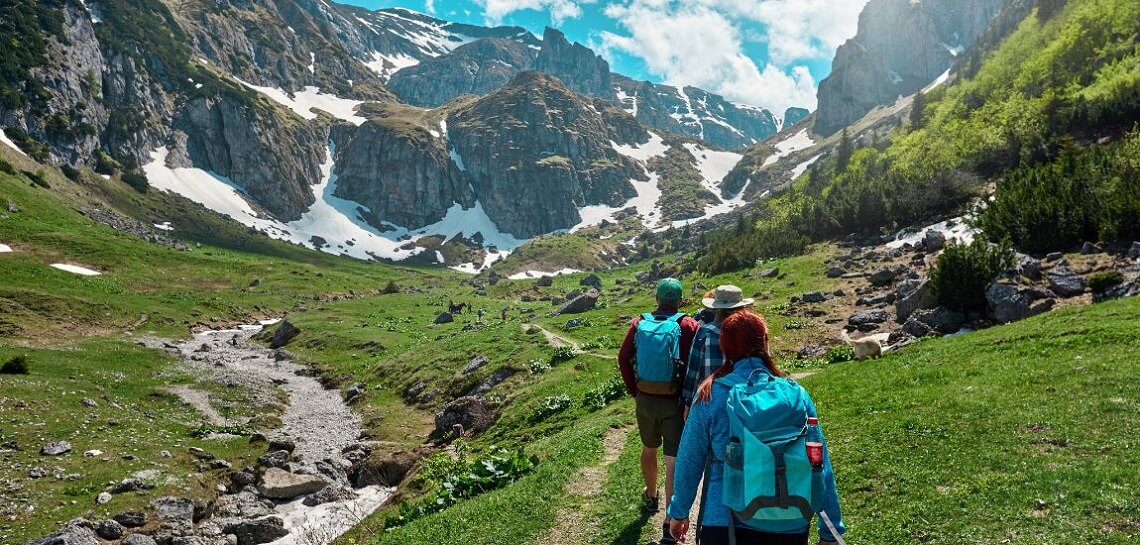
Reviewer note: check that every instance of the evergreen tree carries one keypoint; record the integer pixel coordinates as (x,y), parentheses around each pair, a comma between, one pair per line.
(843,155)
(917,111)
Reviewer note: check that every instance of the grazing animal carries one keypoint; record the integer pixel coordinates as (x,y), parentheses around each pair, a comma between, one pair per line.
(864,348)
(456,308)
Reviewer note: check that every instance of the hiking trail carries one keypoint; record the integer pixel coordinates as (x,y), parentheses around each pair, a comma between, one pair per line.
(557,341)
(572,524)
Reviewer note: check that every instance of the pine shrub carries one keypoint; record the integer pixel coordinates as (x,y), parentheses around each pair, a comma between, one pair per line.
(1102,281)
(15,366)
(963,271)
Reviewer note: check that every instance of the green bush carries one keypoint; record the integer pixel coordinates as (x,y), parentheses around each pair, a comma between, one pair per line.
(391,288)
(15,366)
(7,167)
(105,164)
(37,178)
(603,395)
(137,181)
(962,272)
(538,367)
(1102,281)
(549,407)
(839,354)
(561,354)
(206,429)
(71,172)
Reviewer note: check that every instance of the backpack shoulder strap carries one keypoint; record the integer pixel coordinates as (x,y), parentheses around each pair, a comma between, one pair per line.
(648,316)
(678,317)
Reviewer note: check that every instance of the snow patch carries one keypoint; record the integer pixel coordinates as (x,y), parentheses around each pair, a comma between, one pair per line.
(539,274)
(164,226)
(4,248)
(656,147)
(329,519)
(304,102)
(8,142)
(954,229)
(938,81)
(799,141)
(713,165)
(76,269)
(312,63)
(386,65)
(801,168)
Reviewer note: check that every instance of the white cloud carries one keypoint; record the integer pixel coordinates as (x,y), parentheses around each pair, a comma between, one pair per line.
(696,43)
(429,6)
(560,10)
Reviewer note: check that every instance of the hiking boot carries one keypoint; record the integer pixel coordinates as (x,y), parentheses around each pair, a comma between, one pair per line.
(666,536)
(650,502)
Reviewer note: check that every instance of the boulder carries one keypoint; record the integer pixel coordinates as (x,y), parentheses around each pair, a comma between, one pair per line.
(1054,256)
(811,352)
(355,391)
(277,458)
(444,318)
(474,413)
(579,304)
(835,272)
(245,504)
(1134,251)
(284,333)
(933,241)
(475,363)
(103,498)
(329,494)
(1029,267)
(1065,283)
(912,296)
(278,484)
(939,320)
(175,515)
(769,273)
(813,297)
(109,530)
(864,317)
(56,448)
(280,442)
(76,532)
(1089,248)
(1124,289)
(882,277)
(1010,301)
(138,539)
(255,532)
(131,519)
(385,469)
(544,281)
(591,280)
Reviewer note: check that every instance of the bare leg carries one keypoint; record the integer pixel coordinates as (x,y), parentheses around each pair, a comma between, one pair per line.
(649,470)
(670,465)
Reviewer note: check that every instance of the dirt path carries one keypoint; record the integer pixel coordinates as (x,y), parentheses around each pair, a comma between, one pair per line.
(571,525)
(199,400)
(557,341)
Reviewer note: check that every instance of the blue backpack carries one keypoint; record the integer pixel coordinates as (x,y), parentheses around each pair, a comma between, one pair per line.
(767,473)
(658,354)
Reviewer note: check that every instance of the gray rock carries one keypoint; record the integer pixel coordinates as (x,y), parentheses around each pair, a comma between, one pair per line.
(475,363)
(933,241)
(1134,251)
(37,473)
(109,530)
(385,469)
(591,280)
(582,303)
(277,458)
(544,281)
(1029,267)
(864,317)
(56,448)
(476,68)
(813,297)
(280,442)
(245,504)
(90,403)
(937,320)
(912,296)
(1010,301)
(284,333)
(282,355)
(474,413)
(1054,256)
(131,519)
(255,532)
(882,277)
(769,273)
(575,64)
(175,515)
(242,479)
(329,494)
(103,497)
(1065,283)
(138,539)
(75,532)
(131,485)
(835,272)
(355,391)
(1089,248)
(444,318)
(279,484)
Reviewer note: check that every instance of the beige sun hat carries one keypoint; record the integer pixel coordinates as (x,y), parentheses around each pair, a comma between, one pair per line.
(727,296)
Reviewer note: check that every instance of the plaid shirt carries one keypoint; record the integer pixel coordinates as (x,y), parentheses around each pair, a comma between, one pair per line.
(704,358)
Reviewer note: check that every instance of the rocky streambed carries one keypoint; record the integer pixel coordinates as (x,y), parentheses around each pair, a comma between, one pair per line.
(301,491)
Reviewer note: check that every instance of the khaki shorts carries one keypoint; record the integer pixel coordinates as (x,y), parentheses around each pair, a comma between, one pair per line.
(660,420)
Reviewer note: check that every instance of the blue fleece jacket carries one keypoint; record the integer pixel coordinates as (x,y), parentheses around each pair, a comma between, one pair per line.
(706,431)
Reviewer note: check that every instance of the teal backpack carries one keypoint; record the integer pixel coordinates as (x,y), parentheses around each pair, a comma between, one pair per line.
(767,473)
(658,354)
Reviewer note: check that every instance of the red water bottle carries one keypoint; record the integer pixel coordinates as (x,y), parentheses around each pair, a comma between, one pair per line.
(814,443)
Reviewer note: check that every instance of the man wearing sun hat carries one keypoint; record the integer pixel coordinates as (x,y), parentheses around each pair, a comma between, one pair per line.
(705,356)
(660,417)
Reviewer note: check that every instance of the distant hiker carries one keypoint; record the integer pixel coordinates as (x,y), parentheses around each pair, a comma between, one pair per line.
(479,315)
(745,418)
(651,366)
(503,314)
(706,357)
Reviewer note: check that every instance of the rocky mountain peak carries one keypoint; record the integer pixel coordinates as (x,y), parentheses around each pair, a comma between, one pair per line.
(476,68)
(575,64)
(901,46)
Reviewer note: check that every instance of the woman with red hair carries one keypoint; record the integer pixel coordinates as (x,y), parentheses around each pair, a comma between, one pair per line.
(744,341)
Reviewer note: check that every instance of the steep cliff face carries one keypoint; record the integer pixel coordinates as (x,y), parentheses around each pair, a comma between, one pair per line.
(695,113)
(535,152)
(476,68)
(400,167)
(901,46)
(575,64)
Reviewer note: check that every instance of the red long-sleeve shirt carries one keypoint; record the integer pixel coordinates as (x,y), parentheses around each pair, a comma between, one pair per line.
(689,328)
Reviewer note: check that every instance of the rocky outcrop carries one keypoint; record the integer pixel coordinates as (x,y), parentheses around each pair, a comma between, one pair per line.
(1010,300)
(472,413)
(694,112)
(576,65)
(535,152)
(400,167)
(579,303)
(901,46)
(279,484)
(477,68)
(76,532)
(794,115)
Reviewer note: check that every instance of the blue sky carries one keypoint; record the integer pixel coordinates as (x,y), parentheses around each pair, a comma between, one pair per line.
(769,53)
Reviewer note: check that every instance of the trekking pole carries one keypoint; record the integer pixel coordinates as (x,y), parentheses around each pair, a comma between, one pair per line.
(831,527)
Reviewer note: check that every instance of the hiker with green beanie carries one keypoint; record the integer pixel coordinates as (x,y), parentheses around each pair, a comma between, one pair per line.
(652,365)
